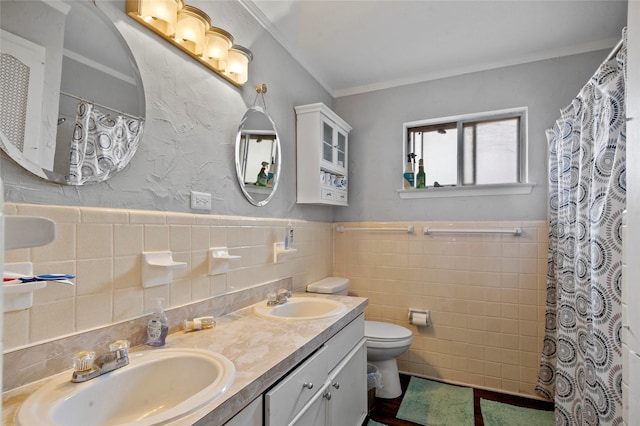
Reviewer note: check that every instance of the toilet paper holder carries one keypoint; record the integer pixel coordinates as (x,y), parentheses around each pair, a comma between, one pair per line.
(419,317)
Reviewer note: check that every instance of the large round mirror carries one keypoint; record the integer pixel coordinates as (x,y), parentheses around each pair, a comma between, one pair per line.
(72,103)
(258,156)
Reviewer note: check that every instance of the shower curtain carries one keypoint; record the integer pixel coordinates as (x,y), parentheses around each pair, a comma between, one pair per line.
(101,144)
(581,362)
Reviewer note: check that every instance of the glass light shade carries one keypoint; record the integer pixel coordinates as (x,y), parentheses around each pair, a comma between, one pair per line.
(161,14)
(216,51)
(190,29)
(238,65)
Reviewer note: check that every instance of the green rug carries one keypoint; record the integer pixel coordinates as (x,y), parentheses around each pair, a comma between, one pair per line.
(374,423)
(432,403)
(500,414)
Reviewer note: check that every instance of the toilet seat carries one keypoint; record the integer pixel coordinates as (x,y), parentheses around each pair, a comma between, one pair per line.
(384,332)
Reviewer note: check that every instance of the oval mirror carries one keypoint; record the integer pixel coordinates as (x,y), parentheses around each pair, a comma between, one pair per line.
(258,156)
(72,103)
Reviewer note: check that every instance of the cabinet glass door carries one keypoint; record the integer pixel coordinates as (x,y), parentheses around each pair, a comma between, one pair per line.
(342,149)
(327,142)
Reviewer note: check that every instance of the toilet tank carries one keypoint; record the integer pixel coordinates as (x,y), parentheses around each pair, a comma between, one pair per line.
(330,285)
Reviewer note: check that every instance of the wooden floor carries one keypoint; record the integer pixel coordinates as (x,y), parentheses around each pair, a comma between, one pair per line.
(385,410)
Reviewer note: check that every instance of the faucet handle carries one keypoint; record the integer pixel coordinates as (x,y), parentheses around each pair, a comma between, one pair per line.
(118,345)
(83,361)
(284,292)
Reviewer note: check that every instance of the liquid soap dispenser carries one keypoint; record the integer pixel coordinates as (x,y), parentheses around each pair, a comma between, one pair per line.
(157,326)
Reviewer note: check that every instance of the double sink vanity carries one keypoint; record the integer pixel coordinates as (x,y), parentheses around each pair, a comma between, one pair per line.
(299,362)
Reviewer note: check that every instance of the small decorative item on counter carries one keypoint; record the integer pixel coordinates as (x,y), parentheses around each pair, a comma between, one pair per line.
(201,323)
(157,326)
(341,182)
(262,176)
(421,179)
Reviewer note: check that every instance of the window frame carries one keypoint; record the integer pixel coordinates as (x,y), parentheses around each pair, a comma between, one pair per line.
(522,186)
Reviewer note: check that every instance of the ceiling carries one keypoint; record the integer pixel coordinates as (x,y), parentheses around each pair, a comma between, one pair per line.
(358,46)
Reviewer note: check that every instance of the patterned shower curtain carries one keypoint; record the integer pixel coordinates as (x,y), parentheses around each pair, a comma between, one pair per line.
(101,144)
(581,363)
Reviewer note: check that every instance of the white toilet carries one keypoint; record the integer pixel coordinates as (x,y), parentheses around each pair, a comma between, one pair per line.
(385,341)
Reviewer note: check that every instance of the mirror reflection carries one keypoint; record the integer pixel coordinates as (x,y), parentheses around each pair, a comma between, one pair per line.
(72,101)
(257,156)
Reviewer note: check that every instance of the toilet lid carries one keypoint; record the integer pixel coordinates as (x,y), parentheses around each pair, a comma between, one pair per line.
(329,285)
(376,330)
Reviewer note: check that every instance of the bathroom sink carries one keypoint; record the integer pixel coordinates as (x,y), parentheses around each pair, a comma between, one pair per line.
(156,387)
(301,308)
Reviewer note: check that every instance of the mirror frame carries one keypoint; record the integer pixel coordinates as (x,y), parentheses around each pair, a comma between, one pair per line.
(238,158)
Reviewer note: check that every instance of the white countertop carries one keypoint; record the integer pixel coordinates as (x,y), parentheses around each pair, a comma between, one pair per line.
(262,350)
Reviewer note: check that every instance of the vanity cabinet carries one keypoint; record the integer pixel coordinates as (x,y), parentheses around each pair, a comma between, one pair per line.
(328,388)
(322,139)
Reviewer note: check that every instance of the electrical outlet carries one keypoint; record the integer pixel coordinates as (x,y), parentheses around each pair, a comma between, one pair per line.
(200,200)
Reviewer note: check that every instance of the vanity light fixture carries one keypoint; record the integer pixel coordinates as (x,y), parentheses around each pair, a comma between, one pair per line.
(190,29)
(238,66)
(216,51)
(160,14)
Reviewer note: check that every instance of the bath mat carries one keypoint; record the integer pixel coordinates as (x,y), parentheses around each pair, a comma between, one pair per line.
(432,403)
(374,423)
(501,414)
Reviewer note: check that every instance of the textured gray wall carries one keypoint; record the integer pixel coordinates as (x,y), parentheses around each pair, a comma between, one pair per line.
(376,144)
(192,119)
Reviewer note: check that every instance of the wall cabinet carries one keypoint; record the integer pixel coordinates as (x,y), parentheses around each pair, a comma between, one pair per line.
(322,155)
(328,388)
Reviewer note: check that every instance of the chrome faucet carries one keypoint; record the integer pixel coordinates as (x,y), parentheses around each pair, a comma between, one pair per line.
(87,368)
(279,298)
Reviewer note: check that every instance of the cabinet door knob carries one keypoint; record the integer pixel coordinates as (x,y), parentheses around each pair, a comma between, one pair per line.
(308,385)
(336,385)
(327,396)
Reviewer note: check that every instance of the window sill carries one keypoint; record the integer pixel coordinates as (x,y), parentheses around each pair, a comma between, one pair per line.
(467,191)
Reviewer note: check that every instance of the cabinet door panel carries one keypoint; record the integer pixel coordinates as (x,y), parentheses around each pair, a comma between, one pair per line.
(287,398)
(327,142)
(348,405)
(315,412)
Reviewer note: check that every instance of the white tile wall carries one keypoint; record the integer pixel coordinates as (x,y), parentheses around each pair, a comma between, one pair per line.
(486,294)
(103,247)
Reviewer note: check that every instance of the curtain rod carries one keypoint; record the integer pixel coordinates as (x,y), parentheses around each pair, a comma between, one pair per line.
(409,229)
(514,231)
(101,106)
(614,51)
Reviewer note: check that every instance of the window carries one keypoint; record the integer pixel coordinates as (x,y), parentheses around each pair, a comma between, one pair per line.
(469,151)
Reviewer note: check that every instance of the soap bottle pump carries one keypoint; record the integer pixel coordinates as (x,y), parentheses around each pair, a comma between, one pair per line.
(157,326)
(421,179)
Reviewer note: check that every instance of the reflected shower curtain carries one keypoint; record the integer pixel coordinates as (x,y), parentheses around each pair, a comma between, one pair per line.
(101,144)
(581,363)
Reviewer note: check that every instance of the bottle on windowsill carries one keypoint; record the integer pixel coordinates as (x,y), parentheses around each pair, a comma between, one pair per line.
(421,179)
